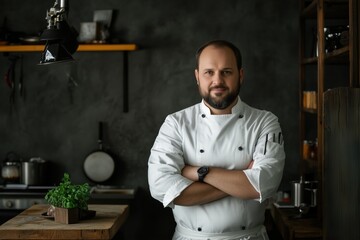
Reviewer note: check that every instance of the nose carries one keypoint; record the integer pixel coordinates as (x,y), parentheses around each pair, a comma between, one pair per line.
(217,78)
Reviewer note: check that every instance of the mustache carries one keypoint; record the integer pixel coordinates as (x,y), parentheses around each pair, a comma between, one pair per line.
(218,86)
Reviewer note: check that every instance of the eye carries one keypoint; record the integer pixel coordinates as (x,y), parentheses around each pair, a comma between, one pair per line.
(226,72)
(209,72)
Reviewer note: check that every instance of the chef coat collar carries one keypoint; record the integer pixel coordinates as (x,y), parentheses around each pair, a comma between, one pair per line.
(236,109)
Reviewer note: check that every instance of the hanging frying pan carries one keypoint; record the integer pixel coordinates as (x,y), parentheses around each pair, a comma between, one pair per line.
(99,165)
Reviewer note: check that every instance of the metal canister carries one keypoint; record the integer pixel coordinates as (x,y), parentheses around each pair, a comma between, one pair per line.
(297,192)
(310,194)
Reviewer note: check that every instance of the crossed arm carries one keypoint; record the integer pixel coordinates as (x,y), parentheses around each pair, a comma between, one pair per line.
(217,184)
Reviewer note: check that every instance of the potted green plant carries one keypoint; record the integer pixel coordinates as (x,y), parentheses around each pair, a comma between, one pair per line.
(68,200)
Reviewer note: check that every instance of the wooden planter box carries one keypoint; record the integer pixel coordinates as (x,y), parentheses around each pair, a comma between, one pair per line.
(66,215)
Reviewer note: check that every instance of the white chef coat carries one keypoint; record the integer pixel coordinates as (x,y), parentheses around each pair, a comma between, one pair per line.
(193,136)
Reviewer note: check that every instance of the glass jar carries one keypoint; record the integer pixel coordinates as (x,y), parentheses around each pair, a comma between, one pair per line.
(10,172)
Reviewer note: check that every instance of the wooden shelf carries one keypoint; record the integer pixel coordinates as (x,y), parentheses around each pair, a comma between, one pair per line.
(333,9)
(310,110)
(81,48)
(124,48)
(338,56)
(309,10)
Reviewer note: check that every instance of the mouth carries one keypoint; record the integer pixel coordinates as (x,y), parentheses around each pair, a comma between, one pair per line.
(218,90)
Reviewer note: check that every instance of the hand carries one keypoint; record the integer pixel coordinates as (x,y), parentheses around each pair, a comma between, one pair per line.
(250,164)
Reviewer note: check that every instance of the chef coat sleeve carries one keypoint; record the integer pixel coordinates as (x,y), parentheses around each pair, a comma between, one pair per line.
(269,161)
(165,164)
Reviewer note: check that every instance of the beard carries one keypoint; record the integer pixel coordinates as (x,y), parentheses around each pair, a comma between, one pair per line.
(220,102)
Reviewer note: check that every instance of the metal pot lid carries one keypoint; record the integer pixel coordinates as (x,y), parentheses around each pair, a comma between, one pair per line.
(37,160)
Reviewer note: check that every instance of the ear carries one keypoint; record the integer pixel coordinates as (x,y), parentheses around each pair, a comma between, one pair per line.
(197,76)
(241,75)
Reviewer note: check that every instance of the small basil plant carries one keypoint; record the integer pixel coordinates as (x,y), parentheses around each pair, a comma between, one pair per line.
(68,195)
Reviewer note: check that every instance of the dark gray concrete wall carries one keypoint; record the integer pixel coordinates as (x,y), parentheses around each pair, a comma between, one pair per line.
(59,122)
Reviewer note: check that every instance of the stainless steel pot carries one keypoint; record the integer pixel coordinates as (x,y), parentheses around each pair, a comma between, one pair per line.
(33,171)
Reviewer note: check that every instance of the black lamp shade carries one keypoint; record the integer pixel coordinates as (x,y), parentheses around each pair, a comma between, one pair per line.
(55,52)
(61,43)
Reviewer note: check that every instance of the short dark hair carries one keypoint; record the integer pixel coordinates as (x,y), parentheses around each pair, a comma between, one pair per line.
(220,43)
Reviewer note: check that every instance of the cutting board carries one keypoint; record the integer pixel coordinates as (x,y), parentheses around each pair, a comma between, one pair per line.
(30,224)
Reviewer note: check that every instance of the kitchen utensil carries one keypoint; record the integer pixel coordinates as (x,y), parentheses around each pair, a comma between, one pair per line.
(30,39)
(99,165)
(33,171)
(10,170)
(297,192)
(311,194)
(10,77)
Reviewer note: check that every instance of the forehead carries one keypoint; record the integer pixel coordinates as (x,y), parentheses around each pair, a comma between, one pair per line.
(217,56)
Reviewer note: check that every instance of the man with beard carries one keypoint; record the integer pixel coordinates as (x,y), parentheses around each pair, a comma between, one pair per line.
(217,162)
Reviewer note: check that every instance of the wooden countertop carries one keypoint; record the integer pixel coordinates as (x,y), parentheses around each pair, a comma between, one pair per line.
(292,228)
(30,224)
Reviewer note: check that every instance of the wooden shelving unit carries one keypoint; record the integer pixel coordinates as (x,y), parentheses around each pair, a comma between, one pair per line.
(320,14)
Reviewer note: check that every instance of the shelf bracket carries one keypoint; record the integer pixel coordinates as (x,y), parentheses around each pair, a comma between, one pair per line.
(125,82)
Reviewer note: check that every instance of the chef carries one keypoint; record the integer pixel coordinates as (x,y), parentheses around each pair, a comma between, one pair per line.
(217,163)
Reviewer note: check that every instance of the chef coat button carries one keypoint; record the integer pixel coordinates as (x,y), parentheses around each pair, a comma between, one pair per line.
(199,229)
(243,228)
(202,150)
(203,115)
(240,148)
(241,116)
